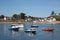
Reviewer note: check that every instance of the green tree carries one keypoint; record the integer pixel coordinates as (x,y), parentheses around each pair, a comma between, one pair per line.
(52,13)
(18,17)
(2,16)
(31,17)
(22,15)
(15,16)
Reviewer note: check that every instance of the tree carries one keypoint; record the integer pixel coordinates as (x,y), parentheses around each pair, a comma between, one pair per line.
(59,13)
(15,16)
(2,16)
(22,15)
(26,17)
(31,17)
(52,13)
(18,17)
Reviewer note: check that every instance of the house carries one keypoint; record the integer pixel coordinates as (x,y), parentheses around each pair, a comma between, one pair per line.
(5,18)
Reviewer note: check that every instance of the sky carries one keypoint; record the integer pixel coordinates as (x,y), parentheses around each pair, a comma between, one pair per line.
(37,8)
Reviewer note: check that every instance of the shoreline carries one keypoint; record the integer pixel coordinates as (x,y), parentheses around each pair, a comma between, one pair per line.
(57,22)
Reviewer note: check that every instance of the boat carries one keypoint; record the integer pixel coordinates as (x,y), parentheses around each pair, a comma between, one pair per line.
(34,26)
(18,25)
(48,29)
(31,30)
(14,27)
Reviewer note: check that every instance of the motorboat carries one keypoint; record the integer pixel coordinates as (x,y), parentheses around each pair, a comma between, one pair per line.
(14,27)
(31,30)
(34,26)
(18,25)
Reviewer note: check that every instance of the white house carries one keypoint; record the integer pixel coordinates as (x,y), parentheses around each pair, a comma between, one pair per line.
(5,18)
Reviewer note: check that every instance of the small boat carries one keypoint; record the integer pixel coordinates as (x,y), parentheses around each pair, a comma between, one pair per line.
(14,27)
(18,25)
(34,26)
(31,30)
(48,29)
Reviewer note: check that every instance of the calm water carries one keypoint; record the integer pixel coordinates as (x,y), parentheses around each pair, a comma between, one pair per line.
(6,34)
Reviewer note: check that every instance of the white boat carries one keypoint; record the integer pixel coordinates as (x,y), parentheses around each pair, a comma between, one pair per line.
(31,30)
(34,26)
(16,26)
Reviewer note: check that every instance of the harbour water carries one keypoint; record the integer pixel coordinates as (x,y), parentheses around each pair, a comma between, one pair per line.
(6,34)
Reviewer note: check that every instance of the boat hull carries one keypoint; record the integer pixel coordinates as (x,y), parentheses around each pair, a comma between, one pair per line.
(47,29)
(34,26)
(15,29)
(30,31)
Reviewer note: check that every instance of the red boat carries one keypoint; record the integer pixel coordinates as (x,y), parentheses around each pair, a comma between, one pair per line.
(48,29)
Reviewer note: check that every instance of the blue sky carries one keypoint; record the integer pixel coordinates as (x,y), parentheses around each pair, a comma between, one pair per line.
(37,8)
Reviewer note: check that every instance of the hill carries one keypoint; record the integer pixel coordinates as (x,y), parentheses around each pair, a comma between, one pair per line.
(55,16)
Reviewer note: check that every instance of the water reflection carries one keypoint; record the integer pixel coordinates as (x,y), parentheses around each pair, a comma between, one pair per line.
(52,35)
(14,32)
(31,34)
(21,29)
